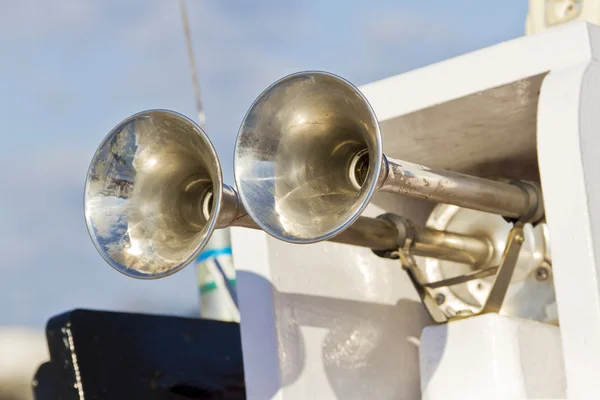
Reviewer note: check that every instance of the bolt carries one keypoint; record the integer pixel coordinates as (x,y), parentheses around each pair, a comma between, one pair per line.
(542,273)
(519,238)
(440,299)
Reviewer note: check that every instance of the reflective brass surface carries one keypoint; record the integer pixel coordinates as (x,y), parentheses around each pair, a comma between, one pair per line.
(309,157)
(144,193)
(293,153)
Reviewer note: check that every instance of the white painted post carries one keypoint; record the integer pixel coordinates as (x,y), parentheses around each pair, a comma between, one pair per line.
(492,357)
(568,149)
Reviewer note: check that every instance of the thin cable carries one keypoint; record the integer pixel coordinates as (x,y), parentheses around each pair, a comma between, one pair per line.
(188,39)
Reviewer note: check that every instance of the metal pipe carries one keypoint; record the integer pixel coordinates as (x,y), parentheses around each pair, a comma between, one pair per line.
(232,211)
(513,200)
(373,233)
(519,200)
(452,246)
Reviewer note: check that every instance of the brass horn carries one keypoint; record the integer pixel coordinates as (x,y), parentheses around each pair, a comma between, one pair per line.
(308,158)
(154,194)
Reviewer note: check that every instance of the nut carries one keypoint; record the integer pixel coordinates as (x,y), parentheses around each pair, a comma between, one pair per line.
(542,273)
(440,299)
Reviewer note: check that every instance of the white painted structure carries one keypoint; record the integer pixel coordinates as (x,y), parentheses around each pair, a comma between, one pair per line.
(547,14)
(329,321)
(22,351)
(492,357)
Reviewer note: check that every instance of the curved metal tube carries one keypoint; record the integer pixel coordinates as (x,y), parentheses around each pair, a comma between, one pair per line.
(376,234)
(452,246)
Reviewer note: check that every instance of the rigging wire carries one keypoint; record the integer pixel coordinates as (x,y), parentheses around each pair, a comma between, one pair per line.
(188,40)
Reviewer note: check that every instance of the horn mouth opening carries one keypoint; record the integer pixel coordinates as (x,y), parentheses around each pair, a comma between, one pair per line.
(144,193)
(207,205)
(307,157)
(358,171)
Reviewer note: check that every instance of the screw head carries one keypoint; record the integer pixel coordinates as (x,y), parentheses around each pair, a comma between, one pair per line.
(440,299)
(542,273)
(519,238)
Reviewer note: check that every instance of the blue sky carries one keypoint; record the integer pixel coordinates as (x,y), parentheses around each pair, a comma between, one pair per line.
(72,69)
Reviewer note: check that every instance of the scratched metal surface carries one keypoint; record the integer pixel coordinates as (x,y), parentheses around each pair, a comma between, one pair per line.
(490,133)
(487,133)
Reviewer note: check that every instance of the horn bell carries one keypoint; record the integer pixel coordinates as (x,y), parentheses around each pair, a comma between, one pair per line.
(144,192)
(295,148)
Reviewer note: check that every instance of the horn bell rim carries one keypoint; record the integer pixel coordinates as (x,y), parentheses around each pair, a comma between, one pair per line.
(208,228)
(370,185)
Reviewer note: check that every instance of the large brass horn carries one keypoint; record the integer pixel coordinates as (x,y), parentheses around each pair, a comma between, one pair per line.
(154,194)
(308,159)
